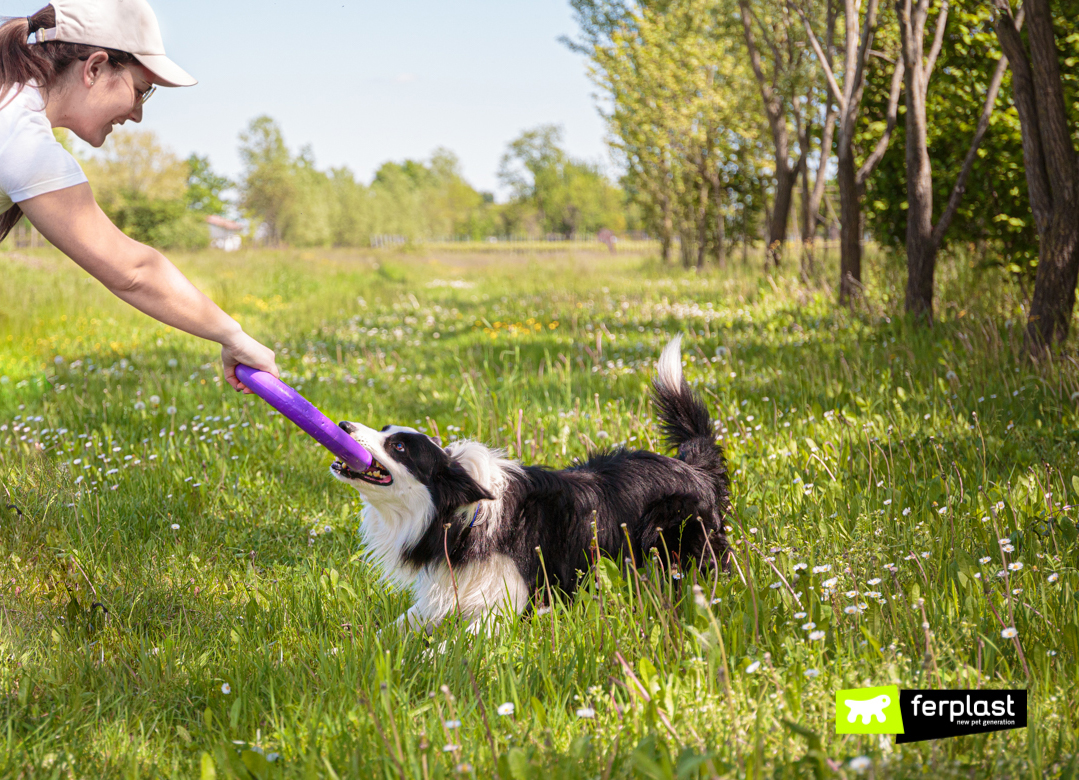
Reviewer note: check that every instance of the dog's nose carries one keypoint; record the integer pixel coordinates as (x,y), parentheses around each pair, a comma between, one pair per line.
(347,427)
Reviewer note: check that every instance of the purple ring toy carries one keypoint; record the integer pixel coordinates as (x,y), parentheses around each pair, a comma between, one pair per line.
(304,413)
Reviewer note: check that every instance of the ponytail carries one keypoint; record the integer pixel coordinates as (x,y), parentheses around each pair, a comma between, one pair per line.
(41,64)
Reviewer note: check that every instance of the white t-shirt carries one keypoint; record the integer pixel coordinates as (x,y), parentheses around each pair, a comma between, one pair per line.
(32,161)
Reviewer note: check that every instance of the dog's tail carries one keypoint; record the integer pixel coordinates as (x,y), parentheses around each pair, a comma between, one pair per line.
(684,418)
(687,426)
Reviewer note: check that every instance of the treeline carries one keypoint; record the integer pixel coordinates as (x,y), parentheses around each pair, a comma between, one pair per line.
(297,204)
(162,200)
(904,120)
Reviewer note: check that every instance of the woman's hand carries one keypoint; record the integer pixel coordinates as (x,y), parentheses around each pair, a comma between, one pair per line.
(244,349)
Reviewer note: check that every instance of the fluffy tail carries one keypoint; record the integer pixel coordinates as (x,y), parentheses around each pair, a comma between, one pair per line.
(684,417)
(687,426)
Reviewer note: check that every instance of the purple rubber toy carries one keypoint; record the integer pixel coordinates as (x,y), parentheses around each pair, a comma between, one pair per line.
(302,412)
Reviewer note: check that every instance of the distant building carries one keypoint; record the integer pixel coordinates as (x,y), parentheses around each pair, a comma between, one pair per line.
(224,234)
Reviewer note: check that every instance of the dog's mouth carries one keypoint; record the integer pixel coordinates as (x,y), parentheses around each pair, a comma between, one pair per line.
(376,473)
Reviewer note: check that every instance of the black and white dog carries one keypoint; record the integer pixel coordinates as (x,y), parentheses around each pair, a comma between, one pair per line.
(459,526)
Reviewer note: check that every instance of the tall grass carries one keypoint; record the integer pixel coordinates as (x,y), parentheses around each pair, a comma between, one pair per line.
(182,592)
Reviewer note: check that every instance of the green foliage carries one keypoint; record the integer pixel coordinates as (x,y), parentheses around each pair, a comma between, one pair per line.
(567,196)
(152,195)
(684,115)
(891,459)
(166,224)
(995,213)
(205,189)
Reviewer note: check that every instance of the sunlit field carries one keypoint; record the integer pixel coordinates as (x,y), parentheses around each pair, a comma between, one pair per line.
(183,594)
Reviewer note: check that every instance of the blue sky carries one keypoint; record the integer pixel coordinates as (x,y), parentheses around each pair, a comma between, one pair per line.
(365,82)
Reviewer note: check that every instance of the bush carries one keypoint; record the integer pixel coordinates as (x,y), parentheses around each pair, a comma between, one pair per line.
(165,224)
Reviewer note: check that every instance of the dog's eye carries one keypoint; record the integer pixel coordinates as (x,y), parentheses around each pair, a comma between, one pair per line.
(399,446)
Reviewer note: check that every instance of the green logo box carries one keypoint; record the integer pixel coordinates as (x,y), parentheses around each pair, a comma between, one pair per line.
(868,711)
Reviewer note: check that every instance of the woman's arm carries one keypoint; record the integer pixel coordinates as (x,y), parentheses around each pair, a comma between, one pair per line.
(71,220)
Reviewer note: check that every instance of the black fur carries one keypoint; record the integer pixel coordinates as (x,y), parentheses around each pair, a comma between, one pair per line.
(675,505)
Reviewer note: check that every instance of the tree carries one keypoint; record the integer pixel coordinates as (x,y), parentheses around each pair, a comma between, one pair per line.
(205,189)
(859,31)
(1051,167)
(923,236)
(811,198)
(307,216)
(141,185)
(454,208)
(683,115)
(135,161)
(570,195)
(267,185)
(992,211)
(783,106)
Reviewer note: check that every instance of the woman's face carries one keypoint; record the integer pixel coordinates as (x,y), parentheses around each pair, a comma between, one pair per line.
(99,96)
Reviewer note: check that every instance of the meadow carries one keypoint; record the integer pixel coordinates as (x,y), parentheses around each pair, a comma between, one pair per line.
(182,591)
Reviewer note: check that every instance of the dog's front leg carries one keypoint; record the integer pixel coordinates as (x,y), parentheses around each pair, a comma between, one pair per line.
(411,620)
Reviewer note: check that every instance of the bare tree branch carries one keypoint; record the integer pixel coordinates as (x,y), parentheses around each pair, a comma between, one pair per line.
(881,56)
(837,93)
(822,167)
(938,41)
(868,29)
(968,163)
(873,160)
(771,43)
(771,103)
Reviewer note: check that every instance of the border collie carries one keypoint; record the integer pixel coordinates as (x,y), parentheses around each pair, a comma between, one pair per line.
(460,526)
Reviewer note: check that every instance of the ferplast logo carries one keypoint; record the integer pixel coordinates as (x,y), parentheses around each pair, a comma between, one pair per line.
(918,715)
(868,711)
(956,713)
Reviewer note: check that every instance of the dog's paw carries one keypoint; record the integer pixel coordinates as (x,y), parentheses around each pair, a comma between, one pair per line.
(430,652)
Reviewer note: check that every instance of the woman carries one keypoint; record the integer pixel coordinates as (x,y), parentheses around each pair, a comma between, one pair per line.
(88,65)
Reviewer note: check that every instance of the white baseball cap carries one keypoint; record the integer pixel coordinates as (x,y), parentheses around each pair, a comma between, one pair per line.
(124,25)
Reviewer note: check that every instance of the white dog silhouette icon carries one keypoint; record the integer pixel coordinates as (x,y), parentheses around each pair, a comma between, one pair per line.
(869,709)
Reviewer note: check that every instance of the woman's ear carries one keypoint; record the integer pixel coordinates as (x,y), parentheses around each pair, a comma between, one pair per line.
(94,68)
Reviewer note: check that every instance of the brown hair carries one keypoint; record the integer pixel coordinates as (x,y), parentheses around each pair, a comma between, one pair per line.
(42,64)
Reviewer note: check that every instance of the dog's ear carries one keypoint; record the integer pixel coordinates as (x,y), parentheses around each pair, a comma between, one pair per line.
(436,439)
(459,488)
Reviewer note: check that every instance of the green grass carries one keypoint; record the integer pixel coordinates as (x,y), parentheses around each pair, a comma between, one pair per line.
(167,538)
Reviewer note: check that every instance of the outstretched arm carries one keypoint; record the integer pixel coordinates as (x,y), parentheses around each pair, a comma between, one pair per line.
(72,221)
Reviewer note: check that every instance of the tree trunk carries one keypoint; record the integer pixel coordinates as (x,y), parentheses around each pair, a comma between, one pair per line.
(924,239)
(831,112)
(1054,284)
(666,232)
(721,230)
(786,177)
(807,224)
(777,120)
(702,223)
(685,246)
(851,179)
(921,251)
(850,225)
(1052,172)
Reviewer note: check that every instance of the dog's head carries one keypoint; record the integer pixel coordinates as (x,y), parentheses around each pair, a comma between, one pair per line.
(406,467)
